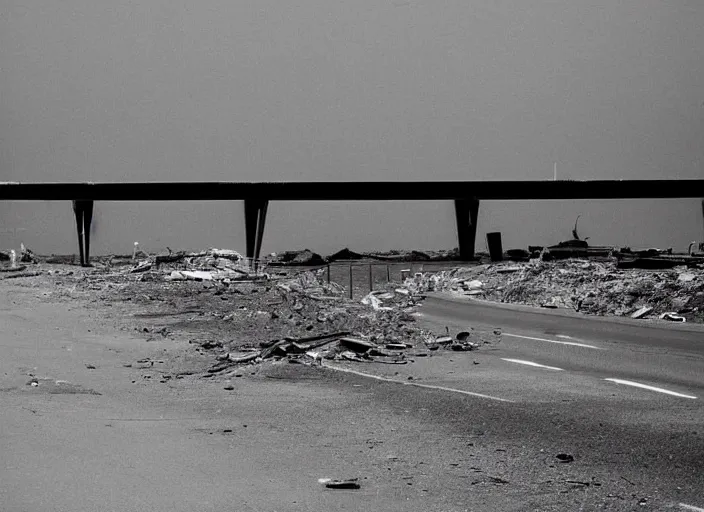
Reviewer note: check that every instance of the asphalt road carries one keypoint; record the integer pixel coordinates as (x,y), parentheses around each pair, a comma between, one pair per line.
(659,354)
(468,431)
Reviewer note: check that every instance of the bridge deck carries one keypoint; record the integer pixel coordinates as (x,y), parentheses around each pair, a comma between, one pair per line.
(256,196)
(356,190)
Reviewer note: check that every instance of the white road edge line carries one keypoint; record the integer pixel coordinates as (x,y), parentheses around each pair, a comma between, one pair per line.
(415,384)
(690,507)
(651,388)
(531,363)
(583,345)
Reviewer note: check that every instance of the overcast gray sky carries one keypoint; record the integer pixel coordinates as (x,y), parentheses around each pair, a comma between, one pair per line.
(353,90)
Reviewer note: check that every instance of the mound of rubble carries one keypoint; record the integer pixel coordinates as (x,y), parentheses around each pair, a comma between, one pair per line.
(598,288)
(308,320)
(244,316)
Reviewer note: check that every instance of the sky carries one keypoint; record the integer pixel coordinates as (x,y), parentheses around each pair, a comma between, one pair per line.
(169,90)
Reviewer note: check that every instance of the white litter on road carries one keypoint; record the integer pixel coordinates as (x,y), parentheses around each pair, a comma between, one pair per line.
(574,343)
(415,384)
(531,363)
(651,388)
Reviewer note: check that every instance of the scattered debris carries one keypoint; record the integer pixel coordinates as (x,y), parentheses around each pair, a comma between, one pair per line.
(642,312)
(564,458)
(238,359)
(14,268)
(357,345)
(27,256)
(350,483)
(673,317)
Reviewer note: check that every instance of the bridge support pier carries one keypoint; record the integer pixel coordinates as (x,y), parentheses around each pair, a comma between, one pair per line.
(83,210)
(254,220)
(466,213)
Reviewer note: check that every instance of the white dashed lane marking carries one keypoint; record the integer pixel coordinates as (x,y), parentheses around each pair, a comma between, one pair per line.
(573,343)
(650,388)
(684,506)
(531,363)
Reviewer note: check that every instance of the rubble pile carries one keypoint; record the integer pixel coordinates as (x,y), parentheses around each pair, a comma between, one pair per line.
(307,257)
(243,316)
(213,264)
(598,288)
(314,321)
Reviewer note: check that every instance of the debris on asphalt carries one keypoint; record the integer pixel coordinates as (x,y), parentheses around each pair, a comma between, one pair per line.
(350,483)
(564,458)
(673,317)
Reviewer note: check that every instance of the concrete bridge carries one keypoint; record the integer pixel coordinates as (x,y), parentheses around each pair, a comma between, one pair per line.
(465,194)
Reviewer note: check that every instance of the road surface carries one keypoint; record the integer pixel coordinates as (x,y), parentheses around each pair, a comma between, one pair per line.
(102,431)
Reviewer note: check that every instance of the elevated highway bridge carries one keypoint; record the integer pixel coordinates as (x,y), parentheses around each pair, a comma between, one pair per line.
(466,195)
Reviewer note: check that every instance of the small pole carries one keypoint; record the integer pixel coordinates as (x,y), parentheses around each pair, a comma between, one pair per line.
(388,274)
(328,273)
(350,280)
(371,281)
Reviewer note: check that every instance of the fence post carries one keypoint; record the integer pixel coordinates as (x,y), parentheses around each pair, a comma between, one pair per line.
(328,273)
(371,281)
(388,274)
(350,280)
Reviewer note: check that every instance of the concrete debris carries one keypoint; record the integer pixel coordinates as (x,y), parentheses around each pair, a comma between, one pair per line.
(564,458)
(213,264)
(587,286)
(305,257)
(686,277)
(246,358)
(673,317)
(184,275)
(507,270)
(642,312)
(373,299)
(350,483)
(27,256)
(356,344)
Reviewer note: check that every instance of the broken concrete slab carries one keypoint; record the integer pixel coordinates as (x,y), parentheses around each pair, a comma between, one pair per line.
(642,312)
(356,344)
